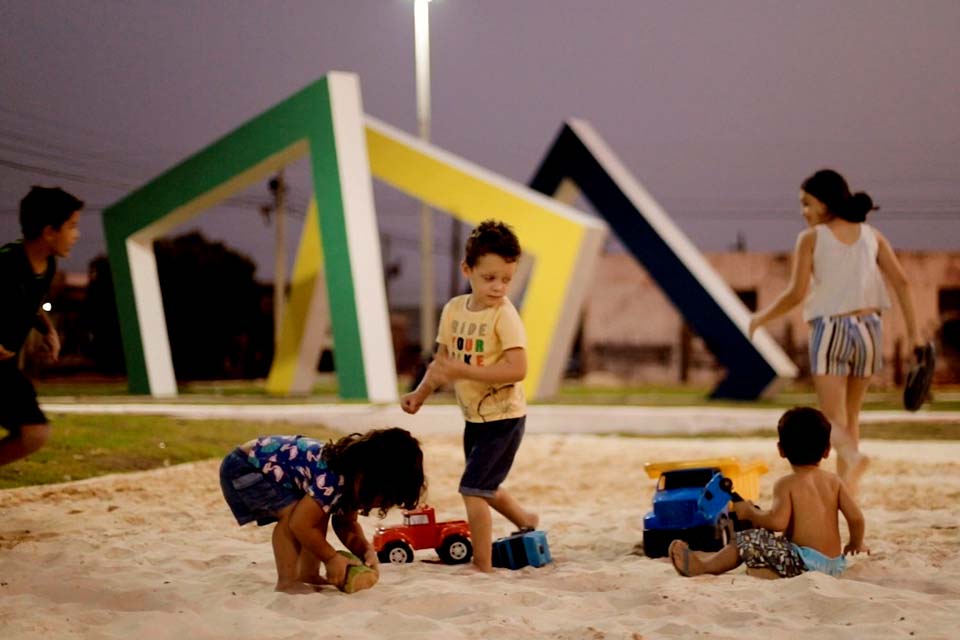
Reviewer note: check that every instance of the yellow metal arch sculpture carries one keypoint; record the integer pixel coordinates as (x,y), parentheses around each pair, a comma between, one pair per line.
(563,242)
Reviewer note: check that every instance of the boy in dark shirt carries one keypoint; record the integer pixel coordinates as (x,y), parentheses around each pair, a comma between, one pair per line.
(48,220)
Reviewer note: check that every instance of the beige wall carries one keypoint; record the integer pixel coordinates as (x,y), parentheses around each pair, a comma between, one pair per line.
(632,330)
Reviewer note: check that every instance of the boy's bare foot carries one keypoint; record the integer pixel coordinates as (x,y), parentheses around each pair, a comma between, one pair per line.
(684,561)
(856,467)
(529,523)
(481,569)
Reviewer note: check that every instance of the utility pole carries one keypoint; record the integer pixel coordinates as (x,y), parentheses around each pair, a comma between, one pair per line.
(278,188)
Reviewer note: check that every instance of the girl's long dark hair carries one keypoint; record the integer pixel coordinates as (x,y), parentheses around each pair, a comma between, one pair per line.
(830,188)
(383,468)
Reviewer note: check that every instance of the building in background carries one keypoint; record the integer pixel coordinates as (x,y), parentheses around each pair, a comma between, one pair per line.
(631,330)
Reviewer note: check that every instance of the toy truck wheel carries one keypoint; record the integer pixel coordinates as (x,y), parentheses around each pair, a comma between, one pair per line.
(397,552)
(656,543)
(455,549)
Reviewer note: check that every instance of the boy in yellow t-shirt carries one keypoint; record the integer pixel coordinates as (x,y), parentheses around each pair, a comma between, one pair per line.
(482,350)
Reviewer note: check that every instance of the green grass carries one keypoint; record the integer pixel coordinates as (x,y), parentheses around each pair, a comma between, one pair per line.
(912,430)
(84,446)
(115,390)
(571,392)
(945,430)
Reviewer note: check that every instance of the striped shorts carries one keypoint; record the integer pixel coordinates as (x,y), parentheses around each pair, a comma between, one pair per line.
(846,345)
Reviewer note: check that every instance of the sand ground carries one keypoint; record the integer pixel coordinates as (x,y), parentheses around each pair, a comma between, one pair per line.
(157,555)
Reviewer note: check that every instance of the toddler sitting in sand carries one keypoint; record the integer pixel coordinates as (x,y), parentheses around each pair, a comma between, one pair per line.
(303,484)
(805,507)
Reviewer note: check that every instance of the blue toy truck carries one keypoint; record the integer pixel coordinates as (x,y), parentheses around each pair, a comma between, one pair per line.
(690,505)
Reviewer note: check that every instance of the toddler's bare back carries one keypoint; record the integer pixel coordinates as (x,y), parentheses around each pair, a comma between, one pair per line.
(814,496)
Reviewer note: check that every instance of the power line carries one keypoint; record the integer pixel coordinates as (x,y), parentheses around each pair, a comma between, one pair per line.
(56,173)
(88,167)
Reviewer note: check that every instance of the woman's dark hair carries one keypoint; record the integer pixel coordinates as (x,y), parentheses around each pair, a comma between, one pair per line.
(804,435)
(44,207)
(492,236)
(831,189)
(383,468)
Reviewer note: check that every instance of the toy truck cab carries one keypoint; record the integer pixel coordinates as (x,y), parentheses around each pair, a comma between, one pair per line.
(692,500)
(690,505)
(420,530)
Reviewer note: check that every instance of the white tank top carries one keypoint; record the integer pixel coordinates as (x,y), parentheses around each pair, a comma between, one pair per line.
(845,277)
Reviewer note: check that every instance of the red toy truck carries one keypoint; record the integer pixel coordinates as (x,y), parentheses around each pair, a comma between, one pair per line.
(420,530)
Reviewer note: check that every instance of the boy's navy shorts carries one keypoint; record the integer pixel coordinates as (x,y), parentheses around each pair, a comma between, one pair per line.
(18,399)
(489,448)
(251,495)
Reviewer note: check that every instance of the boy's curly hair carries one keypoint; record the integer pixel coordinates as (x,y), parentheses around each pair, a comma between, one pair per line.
(804,435)
(383,469)
(492,236)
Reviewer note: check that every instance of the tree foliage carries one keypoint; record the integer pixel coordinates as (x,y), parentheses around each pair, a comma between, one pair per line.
(218,316)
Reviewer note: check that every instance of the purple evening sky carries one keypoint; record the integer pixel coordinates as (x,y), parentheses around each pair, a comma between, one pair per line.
(720,108)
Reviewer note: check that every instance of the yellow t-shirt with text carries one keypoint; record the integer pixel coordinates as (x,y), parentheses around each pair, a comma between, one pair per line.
(479,338)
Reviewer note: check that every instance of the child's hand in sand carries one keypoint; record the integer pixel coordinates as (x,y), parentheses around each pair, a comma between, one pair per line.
(371,560)
(337,569)
(853,548)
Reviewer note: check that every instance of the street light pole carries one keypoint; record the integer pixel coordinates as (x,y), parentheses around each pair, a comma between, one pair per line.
(278,187)
(421,24)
